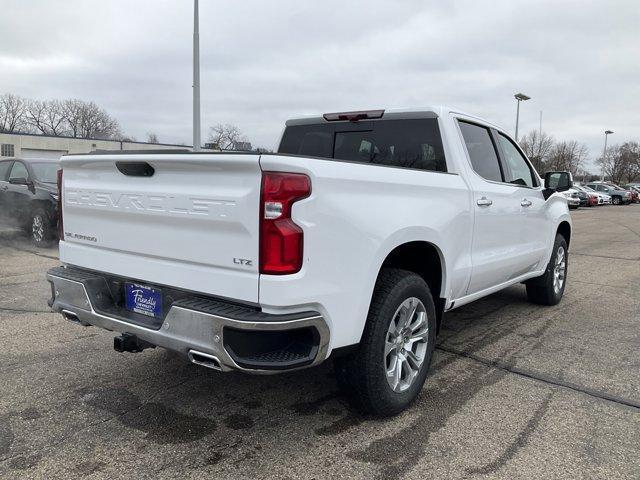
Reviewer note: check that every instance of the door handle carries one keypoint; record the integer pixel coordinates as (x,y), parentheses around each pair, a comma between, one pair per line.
(525,202)
(484,202)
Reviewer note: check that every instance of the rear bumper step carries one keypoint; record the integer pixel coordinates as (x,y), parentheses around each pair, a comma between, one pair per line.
(211,333)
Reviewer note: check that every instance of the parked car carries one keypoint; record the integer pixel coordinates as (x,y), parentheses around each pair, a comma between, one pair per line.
(635,193)
(603,198)
(29,196)
(635,187)
(351,241)
(618,195)
(584,198)
(573,200)
(592,198)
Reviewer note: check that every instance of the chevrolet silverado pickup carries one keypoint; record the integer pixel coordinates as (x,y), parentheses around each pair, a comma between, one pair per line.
(351,241)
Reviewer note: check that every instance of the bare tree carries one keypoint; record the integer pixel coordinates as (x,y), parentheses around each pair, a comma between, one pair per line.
(46,117)
(12,110)
(97,123)
(537,147)
(567,155)
(55,120)
(630,153)
(34,115)
(226,136)
(622,162)
(152,137)
(87,120)
(72,111)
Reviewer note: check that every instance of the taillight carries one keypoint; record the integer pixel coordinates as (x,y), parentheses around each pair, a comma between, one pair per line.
(281,240)
(60,227)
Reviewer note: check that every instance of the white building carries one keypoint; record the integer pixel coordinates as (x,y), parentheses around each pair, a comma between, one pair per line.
(28,145)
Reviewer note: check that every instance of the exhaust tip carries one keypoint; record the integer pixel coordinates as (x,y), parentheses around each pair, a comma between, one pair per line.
(204,360)
(69,315)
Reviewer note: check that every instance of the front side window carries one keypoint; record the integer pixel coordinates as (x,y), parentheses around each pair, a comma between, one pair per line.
(19,171)
(482,152)
(518,171)
(410,143)
(4,169)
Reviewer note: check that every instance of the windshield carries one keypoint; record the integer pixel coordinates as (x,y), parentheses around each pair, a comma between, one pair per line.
(46,172)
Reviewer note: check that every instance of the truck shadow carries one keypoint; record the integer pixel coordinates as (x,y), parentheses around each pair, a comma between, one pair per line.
(253,409)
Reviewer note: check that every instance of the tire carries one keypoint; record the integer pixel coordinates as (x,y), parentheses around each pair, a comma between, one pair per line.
(41,228)
(544,290)
(362,375)
(616,200)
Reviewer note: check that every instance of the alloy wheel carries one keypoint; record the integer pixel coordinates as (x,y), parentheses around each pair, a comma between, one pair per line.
(559,270)
(37,228)
(406,344)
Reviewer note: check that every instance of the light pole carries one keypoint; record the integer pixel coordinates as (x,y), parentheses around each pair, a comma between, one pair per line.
(604,153)
(519,97)
(196,78)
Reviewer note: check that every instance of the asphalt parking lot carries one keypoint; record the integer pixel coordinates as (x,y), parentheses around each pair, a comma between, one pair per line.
(516,390)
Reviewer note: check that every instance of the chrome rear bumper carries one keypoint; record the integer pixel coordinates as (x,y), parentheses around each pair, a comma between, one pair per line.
(193,326)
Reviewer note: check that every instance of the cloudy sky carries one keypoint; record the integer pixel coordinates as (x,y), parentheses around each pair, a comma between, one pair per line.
(265,61)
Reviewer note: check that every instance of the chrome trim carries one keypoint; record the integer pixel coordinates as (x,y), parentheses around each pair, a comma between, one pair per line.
(182,330)
(214,365)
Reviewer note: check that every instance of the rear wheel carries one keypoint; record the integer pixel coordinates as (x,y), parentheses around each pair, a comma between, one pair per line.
(616,200)
(549,288)
(387,371)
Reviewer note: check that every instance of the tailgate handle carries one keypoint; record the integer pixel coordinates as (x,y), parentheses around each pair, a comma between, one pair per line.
(135,169)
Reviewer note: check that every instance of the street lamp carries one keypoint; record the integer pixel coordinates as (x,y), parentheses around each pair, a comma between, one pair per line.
(604,153)
(519,97)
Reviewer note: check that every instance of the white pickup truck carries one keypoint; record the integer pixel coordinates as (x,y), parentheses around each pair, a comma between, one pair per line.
(351,241)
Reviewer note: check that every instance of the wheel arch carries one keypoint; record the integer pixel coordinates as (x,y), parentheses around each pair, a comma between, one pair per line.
(564,229)
(426,260)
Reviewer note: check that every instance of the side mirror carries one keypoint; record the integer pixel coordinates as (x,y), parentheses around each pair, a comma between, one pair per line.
(18,181)
(557,182)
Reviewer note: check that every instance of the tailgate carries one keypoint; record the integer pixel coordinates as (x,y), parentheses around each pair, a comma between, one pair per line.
(192,224)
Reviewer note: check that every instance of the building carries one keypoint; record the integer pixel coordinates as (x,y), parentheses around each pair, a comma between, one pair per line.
(30,145)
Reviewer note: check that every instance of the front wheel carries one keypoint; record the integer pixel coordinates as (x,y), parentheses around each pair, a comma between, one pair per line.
(387,371)
(41,230)
(549,288)
(616,200)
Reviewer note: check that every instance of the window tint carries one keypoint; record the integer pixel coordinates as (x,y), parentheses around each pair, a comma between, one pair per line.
(518,171)
(19,171)
(4,169)
(481,151)
(399,143)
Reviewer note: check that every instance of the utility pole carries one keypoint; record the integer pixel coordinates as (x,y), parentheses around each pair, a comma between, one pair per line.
(196,78)
(604,153)
(519,97)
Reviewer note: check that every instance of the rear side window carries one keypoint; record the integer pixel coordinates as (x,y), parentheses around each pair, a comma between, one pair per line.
(482,152)
(412,143)
(4,169)
(519,172)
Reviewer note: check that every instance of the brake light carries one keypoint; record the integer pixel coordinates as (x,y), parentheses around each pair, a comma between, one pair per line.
(60,227)
(281,240)
(353,116)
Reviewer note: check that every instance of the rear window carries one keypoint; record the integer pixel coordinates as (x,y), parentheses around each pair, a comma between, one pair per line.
(412,143)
